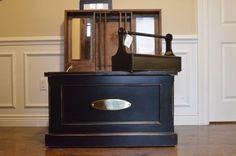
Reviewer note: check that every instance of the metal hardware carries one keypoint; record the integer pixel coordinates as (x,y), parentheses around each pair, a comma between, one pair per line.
(168,39)
(111,104)
(69,68)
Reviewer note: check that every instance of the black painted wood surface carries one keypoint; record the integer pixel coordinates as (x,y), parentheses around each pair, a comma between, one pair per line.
(73,122)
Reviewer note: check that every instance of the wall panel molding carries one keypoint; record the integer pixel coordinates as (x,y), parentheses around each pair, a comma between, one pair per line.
(11,103)
(203,59)
(186,86)
(228,75)
(182,94)
(228,11)
(37,56)
(28,41)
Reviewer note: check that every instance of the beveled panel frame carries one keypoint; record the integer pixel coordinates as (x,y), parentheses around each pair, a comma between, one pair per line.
(27,91)
(159,99)
(226,10)
(12,102)
(227,49)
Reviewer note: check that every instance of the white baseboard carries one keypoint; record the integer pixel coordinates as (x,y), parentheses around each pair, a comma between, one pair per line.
(186,120)
(23,121)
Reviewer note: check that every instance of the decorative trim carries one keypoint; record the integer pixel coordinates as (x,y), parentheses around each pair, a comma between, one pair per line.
(23,120)
(26,41)
(186,120)
(223,21)
(186,111)
(26,55)
(60,39)
(182,39)
(184,103)
(13,80)
(231,98)
(203,60)
(185,39)
(185,51)
(52,40)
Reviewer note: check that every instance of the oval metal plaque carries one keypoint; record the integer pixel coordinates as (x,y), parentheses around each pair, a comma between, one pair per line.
(111,104)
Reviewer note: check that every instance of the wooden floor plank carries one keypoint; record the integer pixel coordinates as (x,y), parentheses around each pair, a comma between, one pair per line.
(213,140)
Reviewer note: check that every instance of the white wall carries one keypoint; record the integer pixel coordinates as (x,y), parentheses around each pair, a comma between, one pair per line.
(23,62)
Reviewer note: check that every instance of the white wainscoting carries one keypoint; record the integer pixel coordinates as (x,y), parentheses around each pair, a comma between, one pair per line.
(23,62)
(186,100)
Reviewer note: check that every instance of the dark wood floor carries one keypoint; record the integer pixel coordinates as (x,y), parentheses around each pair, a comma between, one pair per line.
(213,140)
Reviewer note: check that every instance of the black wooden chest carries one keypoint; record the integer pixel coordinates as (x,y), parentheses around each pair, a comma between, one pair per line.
(110,109)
